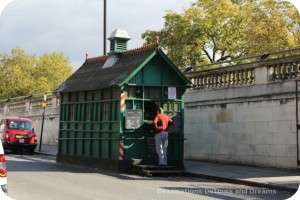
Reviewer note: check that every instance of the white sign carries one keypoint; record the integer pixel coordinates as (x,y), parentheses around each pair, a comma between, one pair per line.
(171,92)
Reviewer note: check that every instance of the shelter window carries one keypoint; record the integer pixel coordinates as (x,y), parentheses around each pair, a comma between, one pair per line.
(134,92)
(152,93)
(106,94)
(73,97)
(105,111)
(89,96)
(97,95)
(72,106)
(87,111)
(72,112)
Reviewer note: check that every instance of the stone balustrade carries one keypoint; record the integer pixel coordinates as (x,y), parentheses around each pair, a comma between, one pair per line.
(284,71)
(257,72)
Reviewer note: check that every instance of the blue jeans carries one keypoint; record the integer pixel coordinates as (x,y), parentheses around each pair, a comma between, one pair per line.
(161,144)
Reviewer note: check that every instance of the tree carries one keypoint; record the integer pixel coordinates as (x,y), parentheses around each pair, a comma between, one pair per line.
(22,75)
(214,31)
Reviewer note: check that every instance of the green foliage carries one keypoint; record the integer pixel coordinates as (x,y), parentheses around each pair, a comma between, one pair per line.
(214,31)
(22,74)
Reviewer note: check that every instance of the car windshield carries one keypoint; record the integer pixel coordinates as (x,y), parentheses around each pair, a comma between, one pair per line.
(23,125)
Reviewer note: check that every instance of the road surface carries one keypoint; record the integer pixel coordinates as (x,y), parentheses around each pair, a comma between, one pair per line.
(41,178)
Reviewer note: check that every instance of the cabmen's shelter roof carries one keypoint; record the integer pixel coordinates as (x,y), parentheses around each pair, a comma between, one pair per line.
(92,75)
(110,71)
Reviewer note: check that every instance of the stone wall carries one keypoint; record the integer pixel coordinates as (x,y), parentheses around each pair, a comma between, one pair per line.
(247,120)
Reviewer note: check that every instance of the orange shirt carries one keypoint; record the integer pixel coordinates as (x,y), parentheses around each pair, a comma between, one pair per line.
(161,122)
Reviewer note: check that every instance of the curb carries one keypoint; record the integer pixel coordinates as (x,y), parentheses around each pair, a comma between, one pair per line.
(237,181)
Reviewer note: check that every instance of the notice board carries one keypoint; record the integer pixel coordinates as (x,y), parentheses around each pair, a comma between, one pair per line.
(133,119)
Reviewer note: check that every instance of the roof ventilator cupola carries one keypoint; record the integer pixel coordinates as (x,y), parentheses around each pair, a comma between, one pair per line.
(118,43)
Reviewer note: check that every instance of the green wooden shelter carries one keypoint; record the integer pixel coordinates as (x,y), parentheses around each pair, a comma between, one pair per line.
(108,104)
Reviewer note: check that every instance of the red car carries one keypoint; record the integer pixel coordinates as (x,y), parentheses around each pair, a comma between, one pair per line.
(18,134)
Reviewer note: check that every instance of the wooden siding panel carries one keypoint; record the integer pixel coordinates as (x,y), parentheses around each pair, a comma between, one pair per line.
(157,72)
(137,79)
(152,75)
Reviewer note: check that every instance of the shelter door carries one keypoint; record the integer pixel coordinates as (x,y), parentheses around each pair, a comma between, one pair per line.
(150,110)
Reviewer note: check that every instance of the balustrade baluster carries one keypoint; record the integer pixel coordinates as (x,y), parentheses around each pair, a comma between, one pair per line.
(281,72)
(271,72)
(233,78)
(289,70)
(277,72)
(202,82)
(214,80)
(225,79)
(293,70)
(247,76)
(205,82)
(217,80)
(241,77)
(236,78)
(209,81)
(240,81)
(220,80)
(192,81)
(298,69)
(195,81)
(284,71)
(229,78)
(252,76)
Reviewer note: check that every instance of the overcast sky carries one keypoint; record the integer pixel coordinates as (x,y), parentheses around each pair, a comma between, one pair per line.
(75,27)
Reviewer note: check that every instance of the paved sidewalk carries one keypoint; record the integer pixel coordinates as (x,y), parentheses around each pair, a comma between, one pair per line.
(274,178)
(50,150)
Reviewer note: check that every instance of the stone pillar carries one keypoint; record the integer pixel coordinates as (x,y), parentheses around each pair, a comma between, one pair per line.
(27,105)
(54,101)
(261,75)
(5,109)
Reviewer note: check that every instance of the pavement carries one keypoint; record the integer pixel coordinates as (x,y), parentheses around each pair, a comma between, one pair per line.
(272,178)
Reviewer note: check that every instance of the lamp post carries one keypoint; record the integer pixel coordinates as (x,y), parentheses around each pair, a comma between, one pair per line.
(104,27)
(44,104)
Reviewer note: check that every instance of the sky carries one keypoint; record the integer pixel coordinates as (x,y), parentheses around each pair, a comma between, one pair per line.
(75,27)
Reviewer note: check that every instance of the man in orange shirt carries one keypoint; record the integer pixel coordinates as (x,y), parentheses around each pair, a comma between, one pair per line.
(161,123)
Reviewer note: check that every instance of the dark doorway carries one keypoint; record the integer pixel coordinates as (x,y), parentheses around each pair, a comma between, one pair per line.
(150,109)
